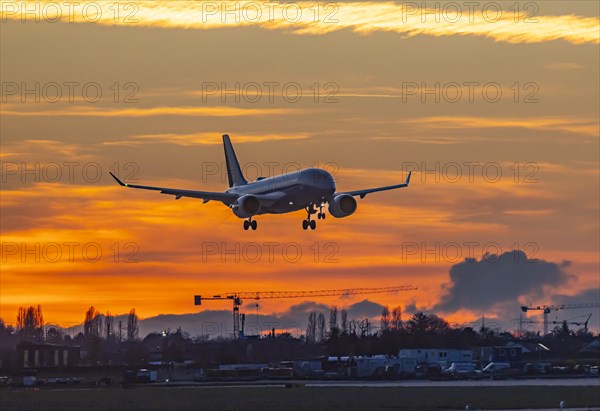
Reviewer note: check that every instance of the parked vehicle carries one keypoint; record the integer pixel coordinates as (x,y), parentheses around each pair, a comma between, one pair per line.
(537,368)
(428,371)
(496,367)
(460,370)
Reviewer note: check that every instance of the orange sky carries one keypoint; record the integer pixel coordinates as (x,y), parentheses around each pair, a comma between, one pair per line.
(372,134)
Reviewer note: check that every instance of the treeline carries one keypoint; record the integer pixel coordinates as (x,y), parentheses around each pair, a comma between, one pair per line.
(97,325)
(421,330)
(109,339)
(30,326)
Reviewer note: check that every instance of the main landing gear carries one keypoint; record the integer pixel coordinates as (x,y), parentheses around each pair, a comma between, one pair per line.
(250,223)
(321,214)
(312,223)
(309,223)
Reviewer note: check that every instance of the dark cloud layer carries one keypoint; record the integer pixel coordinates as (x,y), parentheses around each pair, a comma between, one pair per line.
(587,296)
(365,308)
(479,285)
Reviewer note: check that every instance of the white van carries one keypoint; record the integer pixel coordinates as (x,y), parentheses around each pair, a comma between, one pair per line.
(495,367)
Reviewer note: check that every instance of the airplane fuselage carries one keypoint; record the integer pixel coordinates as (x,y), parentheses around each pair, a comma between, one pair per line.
(301,188)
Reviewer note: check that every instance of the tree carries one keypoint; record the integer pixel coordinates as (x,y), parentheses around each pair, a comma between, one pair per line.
(30,322)
(132,326)
(424,323)
(562,330)
(438,324)
(334,329)
(109,327)
(396,321)
(320,328)
(54,335)
(419,323)
(92,325)
(311,328)
(385,319)
(344,322)
(365,327)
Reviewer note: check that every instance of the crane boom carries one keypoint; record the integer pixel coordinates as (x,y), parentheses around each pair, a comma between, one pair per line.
(556,307)
(257,295)
(238,296)
(548,308)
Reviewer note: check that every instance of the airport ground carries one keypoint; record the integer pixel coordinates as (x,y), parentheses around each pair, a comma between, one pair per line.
(314,396)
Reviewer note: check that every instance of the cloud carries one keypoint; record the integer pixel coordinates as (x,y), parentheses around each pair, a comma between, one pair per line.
(365,308)
(213,138)
(583,126)
(82,111)
(411,308)
(306,308)
(493,280)
(591,295)
(359,17)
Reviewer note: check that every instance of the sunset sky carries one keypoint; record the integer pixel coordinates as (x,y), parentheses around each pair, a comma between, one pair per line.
(508,99)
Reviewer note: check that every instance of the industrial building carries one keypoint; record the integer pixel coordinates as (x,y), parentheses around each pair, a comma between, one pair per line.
(443,357)
(47,355)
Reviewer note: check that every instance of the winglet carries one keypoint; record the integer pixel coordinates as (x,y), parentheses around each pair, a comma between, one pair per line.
(408,178)
(117,179)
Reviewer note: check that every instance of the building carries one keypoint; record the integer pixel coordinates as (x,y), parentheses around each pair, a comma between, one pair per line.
(505,353)
(380,365)
(32,355)
(441,356)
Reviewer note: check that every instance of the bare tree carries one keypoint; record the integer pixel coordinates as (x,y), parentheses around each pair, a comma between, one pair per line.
(30,322)
(132,326)
(396,321)
(92,325)
(311,328)
(109,326)
(344,322)
(365,327)
(321,328)
(54,334)
(385,319)
(334,329)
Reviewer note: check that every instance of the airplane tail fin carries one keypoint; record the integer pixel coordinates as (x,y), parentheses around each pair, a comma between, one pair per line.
(234,172)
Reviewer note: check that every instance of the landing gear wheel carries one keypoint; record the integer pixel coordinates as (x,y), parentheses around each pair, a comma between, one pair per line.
(253,224)
(246,224)
(305,224)
(321,215)
(313,224)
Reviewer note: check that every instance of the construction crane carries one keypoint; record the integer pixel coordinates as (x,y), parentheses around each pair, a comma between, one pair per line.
(557,322)
(547,309)
(238,297)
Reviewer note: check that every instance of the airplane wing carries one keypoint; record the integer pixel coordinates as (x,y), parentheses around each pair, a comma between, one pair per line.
(227,198)
(363,193)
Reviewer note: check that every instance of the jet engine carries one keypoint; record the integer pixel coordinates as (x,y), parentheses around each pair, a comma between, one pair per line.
(246,206)
(342,205)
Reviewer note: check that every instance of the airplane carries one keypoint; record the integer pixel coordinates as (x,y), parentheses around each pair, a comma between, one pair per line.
(306,189)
